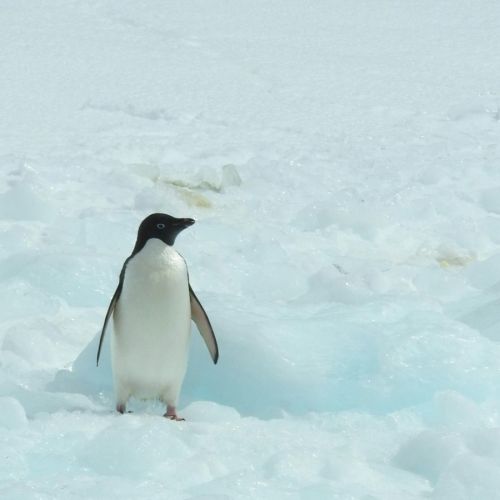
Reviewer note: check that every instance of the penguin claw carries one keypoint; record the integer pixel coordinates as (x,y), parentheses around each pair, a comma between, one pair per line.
(174,418)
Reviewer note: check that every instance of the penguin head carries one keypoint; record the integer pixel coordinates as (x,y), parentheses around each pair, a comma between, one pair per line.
(161,226)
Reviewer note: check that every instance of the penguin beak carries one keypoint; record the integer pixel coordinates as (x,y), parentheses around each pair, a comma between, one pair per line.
(184,223)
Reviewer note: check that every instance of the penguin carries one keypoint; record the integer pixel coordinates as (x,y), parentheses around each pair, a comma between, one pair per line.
(152,309)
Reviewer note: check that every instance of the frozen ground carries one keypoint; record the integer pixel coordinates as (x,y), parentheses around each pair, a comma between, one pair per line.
(343,162)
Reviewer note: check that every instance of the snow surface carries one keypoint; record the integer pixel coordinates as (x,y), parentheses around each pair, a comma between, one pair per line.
(342,161)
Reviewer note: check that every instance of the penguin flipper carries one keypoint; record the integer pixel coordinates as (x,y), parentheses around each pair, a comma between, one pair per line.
(111,309)
(200,318)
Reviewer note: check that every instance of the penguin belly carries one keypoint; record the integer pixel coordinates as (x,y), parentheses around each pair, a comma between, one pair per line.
(152,323)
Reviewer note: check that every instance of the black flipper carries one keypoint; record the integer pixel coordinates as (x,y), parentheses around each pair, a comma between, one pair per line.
(111,308)
(200,318)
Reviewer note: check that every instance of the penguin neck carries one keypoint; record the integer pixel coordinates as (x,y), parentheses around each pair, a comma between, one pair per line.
(156,257)
(141,243)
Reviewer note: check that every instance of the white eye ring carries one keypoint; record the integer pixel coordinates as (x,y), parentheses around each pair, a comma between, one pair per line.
(160,226)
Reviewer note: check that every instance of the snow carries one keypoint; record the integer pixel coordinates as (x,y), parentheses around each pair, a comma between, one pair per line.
(341,160)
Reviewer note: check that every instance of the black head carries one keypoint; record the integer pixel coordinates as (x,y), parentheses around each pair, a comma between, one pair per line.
(161,226)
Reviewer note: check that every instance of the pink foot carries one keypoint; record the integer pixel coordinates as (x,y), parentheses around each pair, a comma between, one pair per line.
(175,417)
(172,414)
(120,408)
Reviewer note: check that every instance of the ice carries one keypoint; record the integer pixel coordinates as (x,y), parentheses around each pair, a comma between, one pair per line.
(429,453)
(13,414)
(341,162)
(489,200)
(469,477)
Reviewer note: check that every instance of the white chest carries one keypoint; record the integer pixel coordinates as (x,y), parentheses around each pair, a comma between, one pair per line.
(153,272)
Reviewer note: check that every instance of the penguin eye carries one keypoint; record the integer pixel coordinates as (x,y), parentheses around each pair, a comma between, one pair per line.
(160,226)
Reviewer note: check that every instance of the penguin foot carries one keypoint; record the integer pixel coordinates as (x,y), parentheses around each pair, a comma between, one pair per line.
(120,408)
(172,414)
(176,418)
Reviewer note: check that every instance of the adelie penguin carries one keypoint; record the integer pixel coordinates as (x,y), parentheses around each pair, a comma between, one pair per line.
(152,309)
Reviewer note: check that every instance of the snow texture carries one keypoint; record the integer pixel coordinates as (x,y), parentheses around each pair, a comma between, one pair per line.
(342,160)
